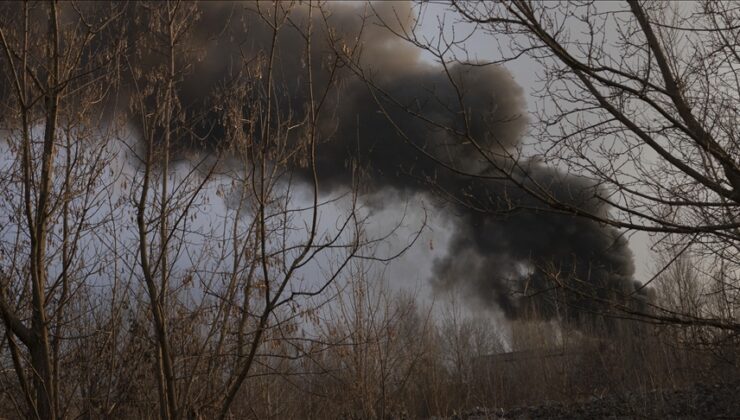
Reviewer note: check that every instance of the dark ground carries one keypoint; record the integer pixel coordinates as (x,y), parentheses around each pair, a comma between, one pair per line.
(701,401)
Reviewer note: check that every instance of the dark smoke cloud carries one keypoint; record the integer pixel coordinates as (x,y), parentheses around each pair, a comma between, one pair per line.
(499,256)
(511,259)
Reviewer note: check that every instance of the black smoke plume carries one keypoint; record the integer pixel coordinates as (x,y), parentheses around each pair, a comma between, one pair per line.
(506,249)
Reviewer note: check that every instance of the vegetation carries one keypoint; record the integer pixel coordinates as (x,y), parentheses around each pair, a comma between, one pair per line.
(186,229)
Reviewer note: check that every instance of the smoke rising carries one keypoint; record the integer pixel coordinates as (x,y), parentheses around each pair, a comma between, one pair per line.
(507,259)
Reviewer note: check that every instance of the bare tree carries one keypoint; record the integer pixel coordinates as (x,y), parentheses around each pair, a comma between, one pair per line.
(375,345)
(56,69)
(215,300)
(158,253)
